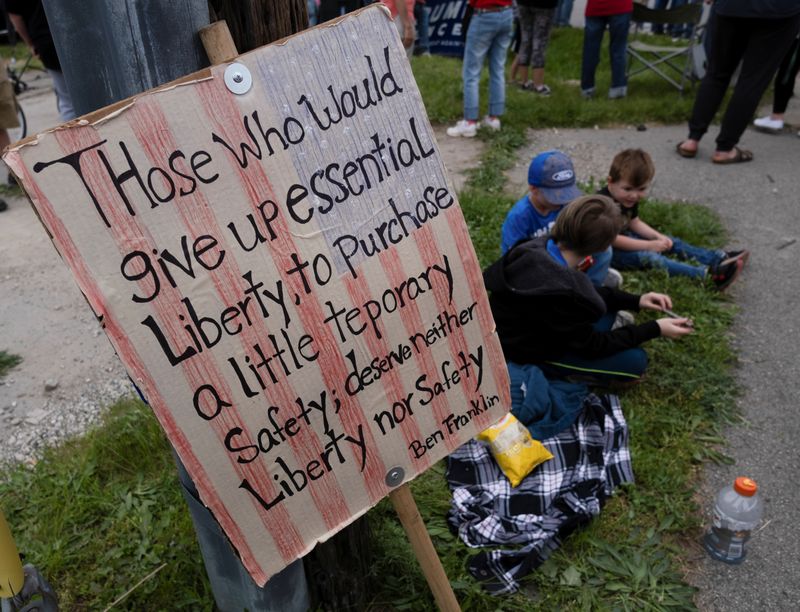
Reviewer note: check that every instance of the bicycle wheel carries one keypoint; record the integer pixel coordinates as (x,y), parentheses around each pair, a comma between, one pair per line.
(18,133)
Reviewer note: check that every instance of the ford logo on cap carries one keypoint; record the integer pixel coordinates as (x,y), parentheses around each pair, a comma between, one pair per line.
(563,175)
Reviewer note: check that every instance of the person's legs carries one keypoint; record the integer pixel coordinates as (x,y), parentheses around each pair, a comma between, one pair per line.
(542,24)
(618,26)
(639,260)
(785,79)
(726,50)
(684,250)
(525,38)
(63,99)
(767,43)
(479,39)
(592,39)
(625,366)
(422,17)
(498,51)
(563,12)
(232,586)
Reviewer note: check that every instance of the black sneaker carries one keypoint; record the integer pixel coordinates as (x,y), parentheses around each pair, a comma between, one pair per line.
(3,205)
(723,274)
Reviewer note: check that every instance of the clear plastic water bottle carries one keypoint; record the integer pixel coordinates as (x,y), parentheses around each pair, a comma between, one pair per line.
(736,513)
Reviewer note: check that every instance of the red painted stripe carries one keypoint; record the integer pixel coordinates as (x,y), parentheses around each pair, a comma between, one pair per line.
(225,119)
(391,381)
(431,253)
(412,321)
(72,256)
(199,370)
(474,276)
(153,132)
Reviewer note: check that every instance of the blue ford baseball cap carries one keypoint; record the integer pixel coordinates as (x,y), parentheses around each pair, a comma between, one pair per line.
(553,174)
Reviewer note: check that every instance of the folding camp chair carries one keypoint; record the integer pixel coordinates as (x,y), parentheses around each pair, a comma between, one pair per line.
(675,64)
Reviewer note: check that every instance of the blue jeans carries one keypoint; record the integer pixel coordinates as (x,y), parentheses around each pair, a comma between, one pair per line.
(618,26)
(232,586)
(599,270)
(422,15)
(637,260)
(489,34)
(563,13)
(627,365)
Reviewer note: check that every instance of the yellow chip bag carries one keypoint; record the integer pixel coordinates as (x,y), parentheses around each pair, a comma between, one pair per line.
(515,451)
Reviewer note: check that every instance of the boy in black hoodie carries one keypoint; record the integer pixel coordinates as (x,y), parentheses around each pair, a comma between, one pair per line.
(549,314)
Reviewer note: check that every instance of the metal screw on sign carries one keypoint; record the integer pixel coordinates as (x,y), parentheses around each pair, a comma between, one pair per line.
(238,79)
(395,476)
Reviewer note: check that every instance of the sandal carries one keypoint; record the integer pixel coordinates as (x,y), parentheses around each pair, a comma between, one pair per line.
(685,152)
(741,156)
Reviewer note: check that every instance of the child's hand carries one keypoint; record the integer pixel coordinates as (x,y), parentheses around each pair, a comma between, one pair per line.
(667,240)
(655,301)
(675,328)
(661,244)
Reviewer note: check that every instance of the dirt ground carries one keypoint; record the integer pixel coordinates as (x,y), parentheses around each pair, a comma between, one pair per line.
(69,371)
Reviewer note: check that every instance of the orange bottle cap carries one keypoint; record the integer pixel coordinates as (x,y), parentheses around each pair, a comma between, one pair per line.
(745,486)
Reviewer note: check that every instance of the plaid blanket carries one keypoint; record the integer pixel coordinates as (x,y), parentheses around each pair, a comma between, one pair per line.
(590,459)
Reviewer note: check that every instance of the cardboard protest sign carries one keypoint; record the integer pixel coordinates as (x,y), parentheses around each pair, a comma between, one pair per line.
(278,257)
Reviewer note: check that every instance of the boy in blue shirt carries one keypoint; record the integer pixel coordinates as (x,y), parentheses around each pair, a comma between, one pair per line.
(551,186)
(641,246)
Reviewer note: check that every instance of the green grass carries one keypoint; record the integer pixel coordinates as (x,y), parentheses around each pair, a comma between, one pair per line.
(7,361)
(104,511)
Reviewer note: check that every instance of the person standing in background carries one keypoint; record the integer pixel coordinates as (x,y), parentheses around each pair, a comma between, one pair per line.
(563,13)
(757,34)
(535,23)
(30,22)
(784,90)
(488,35)
(616,16)
(422,15)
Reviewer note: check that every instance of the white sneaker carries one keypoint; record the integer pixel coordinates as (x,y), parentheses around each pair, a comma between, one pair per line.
(464,128)
(769,124)
(492,124)
(622,319)
(613,279)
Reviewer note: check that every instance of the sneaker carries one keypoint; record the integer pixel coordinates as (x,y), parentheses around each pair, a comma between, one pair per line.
(464,128)
(542,90)
(730,256)
(722,275)
(622,319)
(3,205)
(617,92)
(613,279)
(493,123)
(768,124)
(588,93)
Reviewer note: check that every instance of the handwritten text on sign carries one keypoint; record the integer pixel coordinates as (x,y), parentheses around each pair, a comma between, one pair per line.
(287,276)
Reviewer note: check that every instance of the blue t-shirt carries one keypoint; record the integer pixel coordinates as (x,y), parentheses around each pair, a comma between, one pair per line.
(524,222)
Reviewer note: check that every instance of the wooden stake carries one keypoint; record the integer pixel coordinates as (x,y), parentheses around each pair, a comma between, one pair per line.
(218,43)
(406,508)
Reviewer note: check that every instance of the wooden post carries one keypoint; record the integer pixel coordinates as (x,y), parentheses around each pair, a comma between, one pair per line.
(218,42)
(406,508)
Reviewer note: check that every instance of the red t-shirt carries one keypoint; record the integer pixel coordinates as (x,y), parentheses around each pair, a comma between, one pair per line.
(485,4)
(603,8)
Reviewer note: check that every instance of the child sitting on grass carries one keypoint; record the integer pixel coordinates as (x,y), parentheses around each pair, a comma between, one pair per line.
(640,246)
(549,314)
